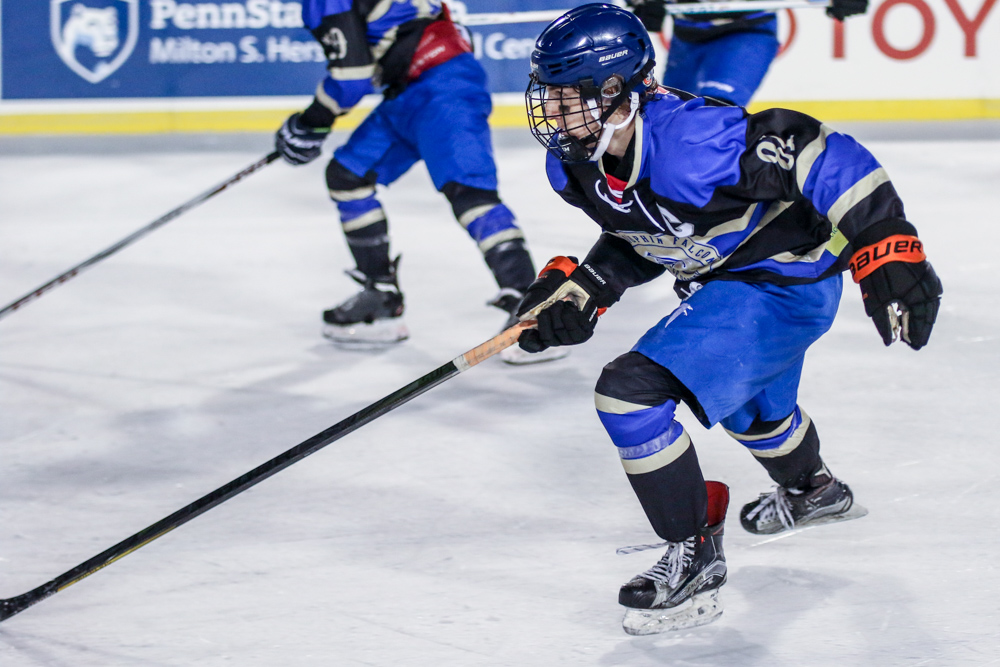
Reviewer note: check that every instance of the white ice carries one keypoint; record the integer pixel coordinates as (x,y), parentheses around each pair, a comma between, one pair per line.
(476,525)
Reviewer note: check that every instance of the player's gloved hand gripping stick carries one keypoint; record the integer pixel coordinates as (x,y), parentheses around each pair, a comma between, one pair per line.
(563,299)
(14,605)
(297,142)
(901,291)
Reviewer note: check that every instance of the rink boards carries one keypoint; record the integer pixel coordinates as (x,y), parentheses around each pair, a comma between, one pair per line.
(147,66)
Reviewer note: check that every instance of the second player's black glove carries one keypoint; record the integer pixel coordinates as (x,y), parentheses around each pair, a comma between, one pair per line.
(563,299)
(651,12)
(841,9)
(298,143)
(901,291)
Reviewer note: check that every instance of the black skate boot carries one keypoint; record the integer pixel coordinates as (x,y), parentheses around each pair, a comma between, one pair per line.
(824,500)
(682,589)
(508,300)
(371,318)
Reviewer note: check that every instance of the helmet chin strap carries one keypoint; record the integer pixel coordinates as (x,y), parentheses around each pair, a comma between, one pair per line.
(609,128)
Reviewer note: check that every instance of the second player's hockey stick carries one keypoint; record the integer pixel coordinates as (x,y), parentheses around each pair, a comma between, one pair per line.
(680,8)
(135,236)
(14,605)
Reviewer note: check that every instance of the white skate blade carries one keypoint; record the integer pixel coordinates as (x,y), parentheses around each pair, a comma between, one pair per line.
(701,609)
(375,336)
(855,512)
(515,356)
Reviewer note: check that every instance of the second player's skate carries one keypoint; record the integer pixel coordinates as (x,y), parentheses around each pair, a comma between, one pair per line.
(371,318)
(825,500)
(682,589)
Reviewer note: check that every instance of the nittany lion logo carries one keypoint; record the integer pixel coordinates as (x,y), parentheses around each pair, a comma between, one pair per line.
(94,37)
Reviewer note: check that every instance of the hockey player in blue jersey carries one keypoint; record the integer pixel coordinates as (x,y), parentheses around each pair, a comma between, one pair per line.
(755,217)
(723,55)
(435,109)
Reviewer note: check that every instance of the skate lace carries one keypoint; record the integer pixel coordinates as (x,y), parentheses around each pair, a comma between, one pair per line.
(673,564)
(774,505)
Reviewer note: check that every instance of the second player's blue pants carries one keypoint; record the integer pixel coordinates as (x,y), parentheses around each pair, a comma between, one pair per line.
(730,67)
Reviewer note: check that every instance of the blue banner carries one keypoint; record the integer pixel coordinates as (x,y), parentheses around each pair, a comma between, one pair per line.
(106,49)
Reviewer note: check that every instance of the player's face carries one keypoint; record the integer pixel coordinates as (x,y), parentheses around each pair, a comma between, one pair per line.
(570,113)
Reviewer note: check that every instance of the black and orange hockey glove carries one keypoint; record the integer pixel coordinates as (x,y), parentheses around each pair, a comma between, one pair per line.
(901,292)
(563,299)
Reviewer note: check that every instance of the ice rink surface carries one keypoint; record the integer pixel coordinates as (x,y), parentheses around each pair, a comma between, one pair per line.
(476,525)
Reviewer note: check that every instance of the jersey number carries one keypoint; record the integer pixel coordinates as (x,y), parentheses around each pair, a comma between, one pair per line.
(777,151)
(336,44)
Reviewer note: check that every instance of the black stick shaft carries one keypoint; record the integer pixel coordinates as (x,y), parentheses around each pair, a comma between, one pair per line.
(135,236)
(14,605)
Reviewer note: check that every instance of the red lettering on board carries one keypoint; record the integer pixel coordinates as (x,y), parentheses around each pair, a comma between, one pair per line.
(970,28)
(878,29)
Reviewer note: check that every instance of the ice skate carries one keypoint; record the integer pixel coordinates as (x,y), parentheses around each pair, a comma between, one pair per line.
(508,300)
(825,500)
(372,318)
(682,589)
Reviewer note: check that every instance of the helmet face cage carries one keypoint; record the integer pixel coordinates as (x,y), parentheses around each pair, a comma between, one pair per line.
(585,64)
(568,120)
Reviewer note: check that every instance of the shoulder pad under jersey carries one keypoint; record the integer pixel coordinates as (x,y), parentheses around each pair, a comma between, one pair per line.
(692,148)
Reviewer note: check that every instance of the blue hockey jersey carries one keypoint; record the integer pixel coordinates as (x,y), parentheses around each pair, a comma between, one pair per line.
(369,45)
(711,192)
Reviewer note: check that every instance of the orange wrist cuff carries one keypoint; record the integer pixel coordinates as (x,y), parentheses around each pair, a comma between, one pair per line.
(560,263)
(898,248)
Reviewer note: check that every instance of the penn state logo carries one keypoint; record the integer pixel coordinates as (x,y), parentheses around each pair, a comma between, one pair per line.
(94,37)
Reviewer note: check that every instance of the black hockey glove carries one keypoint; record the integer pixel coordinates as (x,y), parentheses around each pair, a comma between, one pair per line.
(563,299)
(298,143)
(651,12)
(899,287)
(841,9)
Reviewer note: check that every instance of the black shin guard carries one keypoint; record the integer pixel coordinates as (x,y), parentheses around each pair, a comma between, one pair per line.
(370,249)
(369,244)
(464,198)
(508,260)
(511,265)
(794,469)
(674,497)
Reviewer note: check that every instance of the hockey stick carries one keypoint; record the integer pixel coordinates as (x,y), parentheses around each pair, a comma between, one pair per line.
(685,8)
(14,605)
(135,236)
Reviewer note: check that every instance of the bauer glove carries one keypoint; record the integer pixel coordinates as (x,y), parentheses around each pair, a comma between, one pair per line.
(651,12)
(899,287)
(298,143)
(564,301)
(841,9)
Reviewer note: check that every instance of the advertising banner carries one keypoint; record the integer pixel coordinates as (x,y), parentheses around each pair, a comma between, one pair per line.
(72,49)
(94,49)
(58,55)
